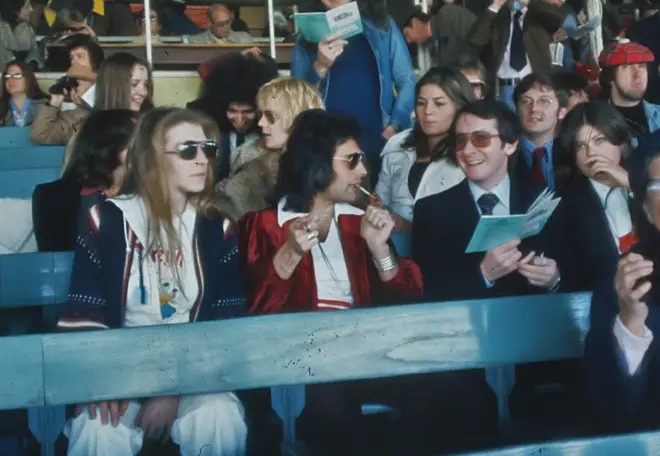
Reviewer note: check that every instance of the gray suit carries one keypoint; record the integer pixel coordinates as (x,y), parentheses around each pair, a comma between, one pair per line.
(234,38)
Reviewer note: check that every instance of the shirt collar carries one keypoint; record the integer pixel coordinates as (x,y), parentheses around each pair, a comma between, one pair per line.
(501,190)
(523,10)
(284,216)
(603,189)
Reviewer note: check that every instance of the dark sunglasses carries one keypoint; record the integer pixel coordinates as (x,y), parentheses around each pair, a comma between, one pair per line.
(479,139)
(76,29)
(270,116)
(187,150)
(353,160)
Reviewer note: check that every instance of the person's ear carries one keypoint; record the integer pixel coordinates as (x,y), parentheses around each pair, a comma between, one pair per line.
(510,148)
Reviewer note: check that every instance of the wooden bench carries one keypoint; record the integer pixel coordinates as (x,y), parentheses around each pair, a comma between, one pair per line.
(318,348)
(640,444)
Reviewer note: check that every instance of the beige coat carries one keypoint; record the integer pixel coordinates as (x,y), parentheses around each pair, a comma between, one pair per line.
(53,127)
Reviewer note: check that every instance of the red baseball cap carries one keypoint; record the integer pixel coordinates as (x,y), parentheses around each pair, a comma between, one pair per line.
(624,52)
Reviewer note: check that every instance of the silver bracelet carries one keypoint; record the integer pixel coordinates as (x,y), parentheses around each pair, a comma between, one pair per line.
(386,264)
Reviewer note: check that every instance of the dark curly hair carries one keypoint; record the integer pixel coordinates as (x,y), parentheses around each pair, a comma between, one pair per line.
(234,79)
(306,166)
(96,149)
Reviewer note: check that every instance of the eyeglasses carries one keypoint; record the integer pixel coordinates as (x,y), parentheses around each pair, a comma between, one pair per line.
(353,160)
(543,102)
(14,76)
(479,139)
(653,186)
(187,150)
(270,116)
(222,23)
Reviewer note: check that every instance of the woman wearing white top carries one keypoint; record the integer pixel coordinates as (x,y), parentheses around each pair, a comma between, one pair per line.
(591,177)
(414,161)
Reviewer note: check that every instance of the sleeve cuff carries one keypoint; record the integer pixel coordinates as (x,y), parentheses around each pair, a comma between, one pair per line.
(486,281)
(634,347)
(490,8)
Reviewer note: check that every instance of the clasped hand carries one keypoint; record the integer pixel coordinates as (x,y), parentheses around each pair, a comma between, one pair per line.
(503,260)
(155,418)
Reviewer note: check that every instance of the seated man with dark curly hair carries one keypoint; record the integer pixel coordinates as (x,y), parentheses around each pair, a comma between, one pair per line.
(229,97)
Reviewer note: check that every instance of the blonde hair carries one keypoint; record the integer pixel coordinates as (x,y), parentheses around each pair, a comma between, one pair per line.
(287,98)
(147,173)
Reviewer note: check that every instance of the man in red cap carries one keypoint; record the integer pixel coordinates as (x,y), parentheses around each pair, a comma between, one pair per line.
(624,80)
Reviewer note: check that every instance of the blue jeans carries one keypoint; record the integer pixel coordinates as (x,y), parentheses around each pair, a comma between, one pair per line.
(506,96)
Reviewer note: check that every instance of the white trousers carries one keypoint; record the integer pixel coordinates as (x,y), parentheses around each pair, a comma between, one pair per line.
(206,425)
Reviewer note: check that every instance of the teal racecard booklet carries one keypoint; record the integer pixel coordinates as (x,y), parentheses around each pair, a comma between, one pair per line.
(495,230)
(344,21)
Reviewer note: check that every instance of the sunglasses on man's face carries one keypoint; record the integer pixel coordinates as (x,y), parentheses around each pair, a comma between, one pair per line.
(76,29)
(353,160)
(187,150)
(270,117)
(479,139)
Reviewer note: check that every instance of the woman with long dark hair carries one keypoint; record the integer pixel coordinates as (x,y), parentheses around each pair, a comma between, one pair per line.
(415,163)
(124,82)
(18,39)
(591,177)
(356,76)
(621,349)
(94,172)
(21,96)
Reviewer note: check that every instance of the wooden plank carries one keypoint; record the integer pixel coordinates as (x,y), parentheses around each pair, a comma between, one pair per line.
(311,347)
(34,279)
(31,157)
(21,376)
(642,444)
(191,54)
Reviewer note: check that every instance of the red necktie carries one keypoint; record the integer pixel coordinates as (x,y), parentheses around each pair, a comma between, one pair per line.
(538,179)
(627,241)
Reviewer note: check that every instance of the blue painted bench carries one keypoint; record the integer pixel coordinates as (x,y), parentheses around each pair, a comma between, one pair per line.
(433,337)
(12,137)
(24,165)
(640,444)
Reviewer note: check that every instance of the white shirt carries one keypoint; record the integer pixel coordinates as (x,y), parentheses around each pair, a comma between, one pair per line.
(501,190)
(163,289)
(616,211)
(505,71)
(333,291)
(393,187)
(634,347)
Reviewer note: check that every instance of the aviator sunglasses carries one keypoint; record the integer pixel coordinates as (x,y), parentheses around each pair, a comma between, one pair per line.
(479,139)
(187,150)
(353,160)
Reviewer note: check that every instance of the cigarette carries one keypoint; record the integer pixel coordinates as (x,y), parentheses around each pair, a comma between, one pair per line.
(366,192)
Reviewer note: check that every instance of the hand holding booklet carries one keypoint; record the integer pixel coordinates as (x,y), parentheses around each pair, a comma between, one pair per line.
(495,230)
(343,21)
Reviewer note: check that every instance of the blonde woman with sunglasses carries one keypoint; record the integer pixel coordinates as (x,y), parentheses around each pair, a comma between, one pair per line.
(254,165)
(158,253)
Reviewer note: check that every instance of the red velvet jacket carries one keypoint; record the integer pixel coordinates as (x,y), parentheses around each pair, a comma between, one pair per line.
(260,237)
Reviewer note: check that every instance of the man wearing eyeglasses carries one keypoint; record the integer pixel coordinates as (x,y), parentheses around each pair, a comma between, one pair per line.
(486,135)
(540,109)
(220,31)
